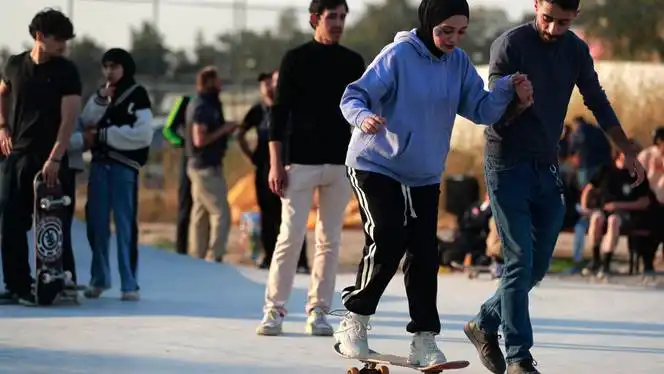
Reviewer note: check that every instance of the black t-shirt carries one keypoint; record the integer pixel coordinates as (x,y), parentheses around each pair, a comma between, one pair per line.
(614,185)
(306,113)
(36,92)
(258,117)
(205,109)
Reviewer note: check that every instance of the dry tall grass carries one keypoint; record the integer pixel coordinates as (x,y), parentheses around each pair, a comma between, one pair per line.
(636,91)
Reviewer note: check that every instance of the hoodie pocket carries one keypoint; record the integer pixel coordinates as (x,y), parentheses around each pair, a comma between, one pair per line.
(389,145)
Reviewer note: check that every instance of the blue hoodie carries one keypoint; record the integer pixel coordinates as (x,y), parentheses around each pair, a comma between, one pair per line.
(419,95)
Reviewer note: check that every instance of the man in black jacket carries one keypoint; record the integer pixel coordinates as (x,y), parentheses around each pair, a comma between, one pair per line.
(258,117)
(124,135)
(174,132)
(41,96)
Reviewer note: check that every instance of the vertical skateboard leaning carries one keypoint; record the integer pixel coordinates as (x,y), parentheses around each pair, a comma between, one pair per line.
(375,363)
(48,217)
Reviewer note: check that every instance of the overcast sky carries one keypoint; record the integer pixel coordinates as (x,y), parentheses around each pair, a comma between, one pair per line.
(109,21)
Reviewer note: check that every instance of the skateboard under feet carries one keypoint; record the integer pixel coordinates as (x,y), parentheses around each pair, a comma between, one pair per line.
(375,363)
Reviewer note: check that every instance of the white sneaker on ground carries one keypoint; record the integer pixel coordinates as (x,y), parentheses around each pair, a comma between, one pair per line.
(271,323)
(317,324)
(424,351)
(352,335)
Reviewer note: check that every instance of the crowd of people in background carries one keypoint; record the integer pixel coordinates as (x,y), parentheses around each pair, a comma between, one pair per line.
(602,203)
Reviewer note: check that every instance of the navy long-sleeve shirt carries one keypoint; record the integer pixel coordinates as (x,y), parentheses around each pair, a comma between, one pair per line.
(554,68)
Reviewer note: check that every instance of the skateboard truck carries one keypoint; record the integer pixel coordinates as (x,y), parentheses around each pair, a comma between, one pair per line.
(47,203)
(370,368)
(65,275)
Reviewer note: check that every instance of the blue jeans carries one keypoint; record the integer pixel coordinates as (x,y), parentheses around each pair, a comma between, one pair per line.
(580,230)
(528,204)
(113,187)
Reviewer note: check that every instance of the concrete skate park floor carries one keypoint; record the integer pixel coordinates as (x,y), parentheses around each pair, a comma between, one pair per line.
(197,317)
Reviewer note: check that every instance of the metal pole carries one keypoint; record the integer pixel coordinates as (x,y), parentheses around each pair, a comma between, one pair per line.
(155,13)
(70,9)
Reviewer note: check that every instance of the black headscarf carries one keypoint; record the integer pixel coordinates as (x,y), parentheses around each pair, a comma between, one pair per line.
(123,58)
(431,13)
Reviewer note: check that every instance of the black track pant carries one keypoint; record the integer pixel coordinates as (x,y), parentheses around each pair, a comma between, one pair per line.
(397,220)
(184,208)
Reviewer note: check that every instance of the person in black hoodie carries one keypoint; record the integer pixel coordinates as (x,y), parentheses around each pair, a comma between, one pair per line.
(123,136)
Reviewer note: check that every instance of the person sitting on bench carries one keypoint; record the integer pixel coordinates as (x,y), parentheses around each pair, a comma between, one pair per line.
(614,205)
(473,229)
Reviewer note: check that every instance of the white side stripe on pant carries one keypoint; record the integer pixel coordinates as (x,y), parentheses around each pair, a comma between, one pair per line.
(368,260)
(408,204)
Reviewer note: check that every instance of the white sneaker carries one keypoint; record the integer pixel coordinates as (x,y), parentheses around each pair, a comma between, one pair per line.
(352,335)
(271,323)
(424,352)
(317,324)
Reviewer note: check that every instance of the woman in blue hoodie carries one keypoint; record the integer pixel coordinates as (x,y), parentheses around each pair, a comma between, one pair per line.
(402,111)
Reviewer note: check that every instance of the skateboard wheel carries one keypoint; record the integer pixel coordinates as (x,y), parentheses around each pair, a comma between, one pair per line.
(383,370)
(353,371)
(67,275)
(47,278)
(66,200)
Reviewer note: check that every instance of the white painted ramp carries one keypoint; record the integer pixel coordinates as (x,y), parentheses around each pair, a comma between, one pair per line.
(200,318)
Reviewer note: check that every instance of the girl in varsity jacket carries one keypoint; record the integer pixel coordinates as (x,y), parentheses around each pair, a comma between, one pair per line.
(120,119)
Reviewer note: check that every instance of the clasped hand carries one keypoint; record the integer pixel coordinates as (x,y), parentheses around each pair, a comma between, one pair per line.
(524,89)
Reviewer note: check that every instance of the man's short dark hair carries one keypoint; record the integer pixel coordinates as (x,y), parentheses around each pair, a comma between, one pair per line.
(264,76)
(658,135)
(205,76)
(52,22)
(568,5)
(319,6)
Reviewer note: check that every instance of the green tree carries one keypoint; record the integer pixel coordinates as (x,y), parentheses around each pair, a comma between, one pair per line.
(633,28)
(486,23)
(86,53)
(149,51)
(378,25)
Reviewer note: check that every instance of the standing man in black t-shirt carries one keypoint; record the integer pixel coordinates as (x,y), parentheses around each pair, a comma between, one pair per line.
(258,117)
(307,120)
(44,91)
(613,203)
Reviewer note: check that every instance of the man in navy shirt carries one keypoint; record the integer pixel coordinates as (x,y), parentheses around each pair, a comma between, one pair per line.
(521,170)
(206,143)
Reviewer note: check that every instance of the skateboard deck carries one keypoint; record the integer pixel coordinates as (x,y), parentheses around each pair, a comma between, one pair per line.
(374,359)
(48,217)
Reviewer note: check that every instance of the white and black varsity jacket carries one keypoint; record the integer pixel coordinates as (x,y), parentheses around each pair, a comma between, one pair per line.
(125,129)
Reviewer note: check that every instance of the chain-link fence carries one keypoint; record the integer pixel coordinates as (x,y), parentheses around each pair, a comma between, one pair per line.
(227,34)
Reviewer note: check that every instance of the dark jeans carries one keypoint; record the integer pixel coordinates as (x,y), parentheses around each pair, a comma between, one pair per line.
(184,208)
(17,173)
(270,206)
(113,188)
(528,205)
